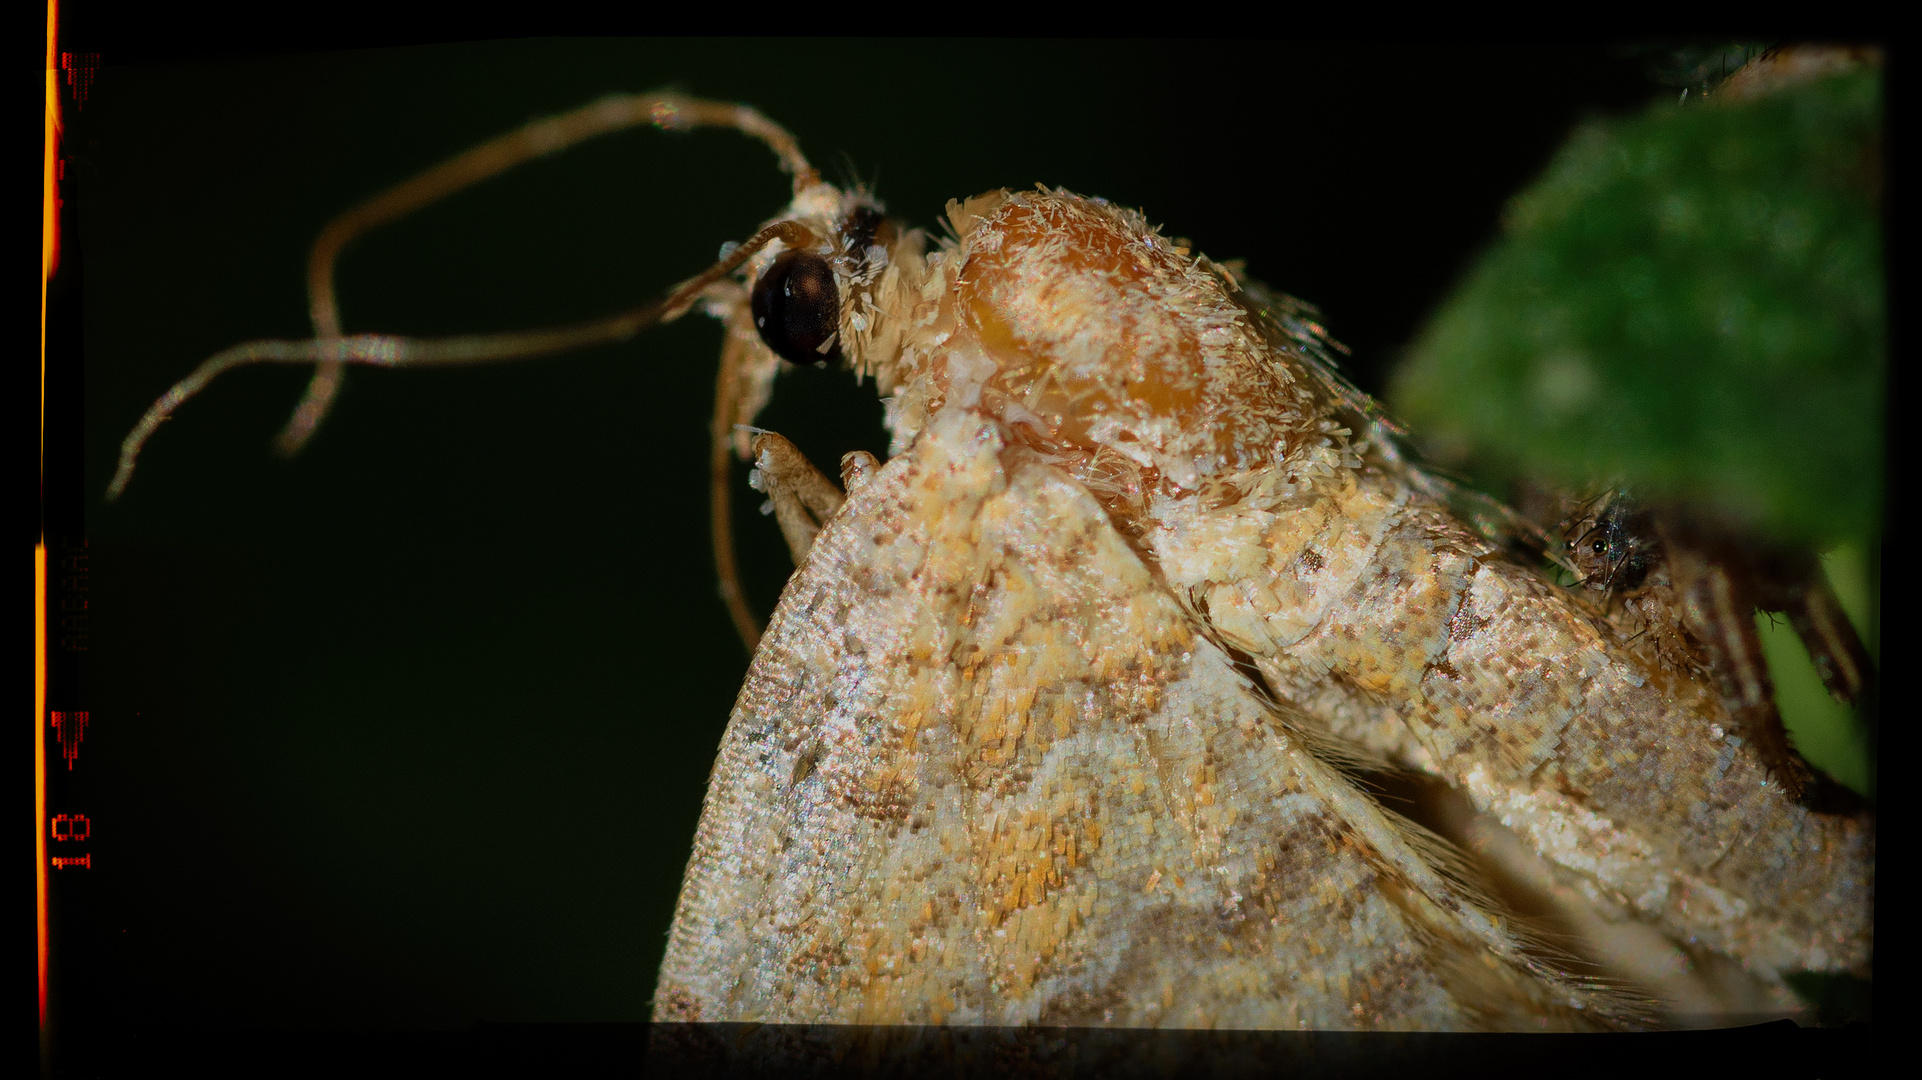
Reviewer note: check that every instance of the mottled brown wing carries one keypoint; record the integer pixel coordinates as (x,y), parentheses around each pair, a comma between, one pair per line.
(984,771)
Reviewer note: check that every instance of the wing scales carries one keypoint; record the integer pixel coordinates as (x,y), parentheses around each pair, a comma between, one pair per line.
(984,771)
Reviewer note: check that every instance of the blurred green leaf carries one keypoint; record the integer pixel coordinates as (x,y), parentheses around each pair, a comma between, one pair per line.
(1688,303)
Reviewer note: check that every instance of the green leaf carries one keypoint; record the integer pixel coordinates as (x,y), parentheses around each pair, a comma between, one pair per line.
(1689,303)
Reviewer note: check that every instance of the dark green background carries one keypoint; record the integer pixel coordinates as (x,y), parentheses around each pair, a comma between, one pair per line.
(412,731)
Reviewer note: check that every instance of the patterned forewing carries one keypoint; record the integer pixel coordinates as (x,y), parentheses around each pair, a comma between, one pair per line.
(984,771)
(1632,777)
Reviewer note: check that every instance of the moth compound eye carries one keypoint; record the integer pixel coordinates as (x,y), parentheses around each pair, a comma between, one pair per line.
(797,308)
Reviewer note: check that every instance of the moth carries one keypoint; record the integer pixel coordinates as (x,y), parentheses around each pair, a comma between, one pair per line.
(1058,719)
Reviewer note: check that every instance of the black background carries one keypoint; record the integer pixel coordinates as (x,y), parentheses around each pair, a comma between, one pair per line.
(412,731)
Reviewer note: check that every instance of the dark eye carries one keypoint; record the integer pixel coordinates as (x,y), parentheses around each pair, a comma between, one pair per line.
(796,307)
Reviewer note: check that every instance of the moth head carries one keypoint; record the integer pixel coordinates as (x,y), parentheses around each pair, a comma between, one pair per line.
(1618,545)
(814,292)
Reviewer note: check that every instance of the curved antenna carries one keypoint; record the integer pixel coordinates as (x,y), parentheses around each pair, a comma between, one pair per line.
(672,112)
(386,350)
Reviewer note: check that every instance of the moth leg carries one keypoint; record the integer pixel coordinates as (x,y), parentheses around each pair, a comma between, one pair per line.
(1804,594)
(803,498)
(857,468)
(1719,605)
(741,389)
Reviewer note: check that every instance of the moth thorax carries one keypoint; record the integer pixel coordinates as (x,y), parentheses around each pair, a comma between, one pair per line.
(1104,334)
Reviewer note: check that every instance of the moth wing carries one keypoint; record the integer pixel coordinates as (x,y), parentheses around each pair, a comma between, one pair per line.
(984,771)
(1760,879)
(1292,326)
